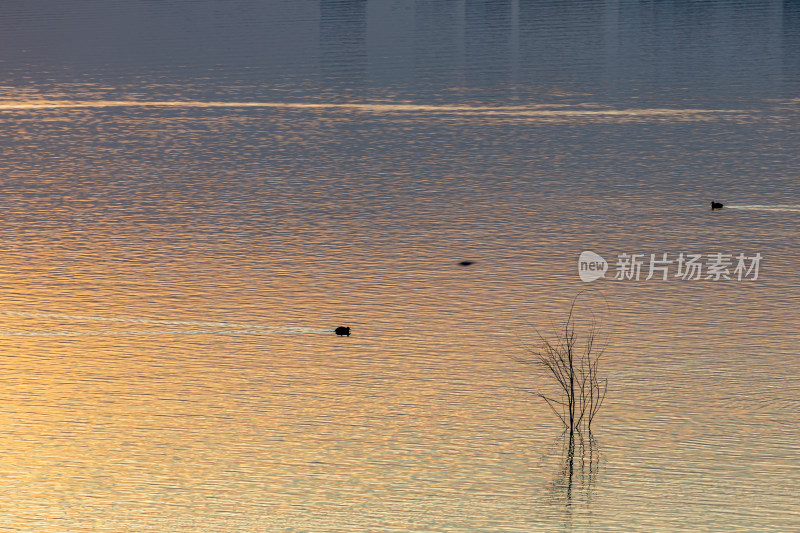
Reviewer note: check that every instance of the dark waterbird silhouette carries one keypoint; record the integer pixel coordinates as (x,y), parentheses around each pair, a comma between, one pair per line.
(466,263)
(343,331)
(716,205)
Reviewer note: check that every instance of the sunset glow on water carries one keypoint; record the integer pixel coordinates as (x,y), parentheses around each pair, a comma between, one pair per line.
(194,197)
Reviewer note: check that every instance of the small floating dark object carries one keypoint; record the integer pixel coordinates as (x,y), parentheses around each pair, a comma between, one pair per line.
(716,205)
(466,263)
(343,331)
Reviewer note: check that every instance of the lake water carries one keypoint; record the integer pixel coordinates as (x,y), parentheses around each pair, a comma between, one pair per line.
(195,194)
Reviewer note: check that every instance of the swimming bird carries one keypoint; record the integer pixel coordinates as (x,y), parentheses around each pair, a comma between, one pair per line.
(342,331)
(716,205)
(466,263)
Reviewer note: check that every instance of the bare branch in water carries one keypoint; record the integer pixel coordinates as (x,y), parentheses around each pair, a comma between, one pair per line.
(572,362)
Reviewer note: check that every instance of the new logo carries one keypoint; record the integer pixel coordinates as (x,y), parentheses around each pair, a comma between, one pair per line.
(591,266)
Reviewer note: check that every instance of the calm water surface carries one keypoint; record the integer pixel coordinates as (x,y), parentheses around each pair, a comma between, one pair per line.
(194,196)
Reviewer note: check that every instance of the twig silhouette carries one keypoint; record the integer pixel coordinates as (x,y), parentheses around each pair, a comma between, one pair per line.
(572,361)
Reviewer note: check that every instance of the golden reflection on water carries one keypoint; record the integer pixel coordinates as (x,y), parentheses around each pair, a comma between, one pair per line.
(134,426)
(169,299)
(417,421)
(562,112)
(192,204)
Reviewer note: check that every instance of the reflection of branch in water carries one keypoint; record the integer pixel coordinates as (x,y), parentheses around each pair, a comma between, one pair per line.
(580,461)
